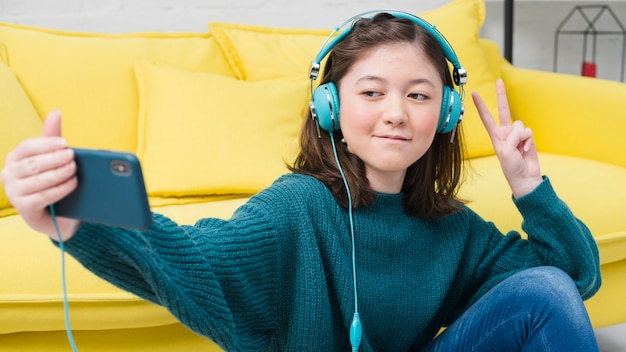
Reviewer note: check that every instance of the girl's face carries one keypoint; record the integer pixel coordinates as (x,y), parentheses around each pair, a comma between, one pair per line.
(390,102)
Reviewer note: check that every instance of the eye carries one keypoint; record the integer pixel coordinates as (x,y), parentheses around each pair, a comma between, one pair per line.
(371,93)
(418,96)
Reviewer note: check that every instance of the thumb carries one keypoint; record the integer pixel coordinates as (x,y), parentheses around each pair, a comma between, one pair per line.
(52,124)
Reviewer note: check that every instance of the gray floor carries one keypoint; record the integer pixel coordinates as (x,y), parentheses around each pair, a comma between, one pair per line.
(612,338)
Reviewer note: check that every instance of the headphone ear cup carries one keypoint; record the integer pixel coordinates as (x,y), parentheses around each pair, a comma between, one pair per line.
(325,107)
(452,110)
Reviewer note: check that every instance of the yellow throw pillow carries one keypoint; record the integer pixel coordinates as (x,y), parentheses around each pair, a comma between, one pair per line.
(205,134)
(90,78)
(257,53)
(261,53)
(18,121)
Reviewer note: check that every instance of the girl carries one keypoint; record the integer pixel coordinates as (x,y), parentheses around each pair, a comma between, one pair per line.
(308,265)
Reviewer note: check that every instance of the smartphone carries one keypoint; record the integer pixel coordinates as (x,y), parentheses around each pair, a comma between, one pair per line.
(110,190)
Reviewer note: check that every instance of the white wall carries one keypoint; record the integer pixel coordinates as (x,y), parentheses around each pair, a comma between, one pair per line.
(191,15)
(534,35)
(535,21)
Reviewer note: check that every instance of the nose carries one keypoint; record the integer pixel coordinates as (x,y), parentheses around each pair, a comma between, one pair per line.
(395,112)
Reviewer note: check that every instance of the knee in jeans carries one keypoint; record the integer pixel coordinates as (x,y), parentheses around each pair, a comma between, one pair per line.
(548,284)
(552,294)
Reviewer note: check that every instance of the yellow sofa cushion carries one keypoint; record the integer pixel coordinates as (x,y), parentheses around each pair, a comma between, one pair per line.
(33,301)
(206,134)
(89,76)
(598,203)
(30,298)
(18,120)
(259,53)
(570,115)
(168,338)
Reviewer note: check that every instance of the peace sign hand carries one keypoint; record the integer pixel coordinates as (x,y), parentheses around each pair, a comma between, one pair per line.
(513,144)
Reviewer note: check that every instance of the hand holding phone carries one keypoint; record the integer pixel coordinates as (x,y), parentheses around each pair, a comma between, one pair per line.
(110,190)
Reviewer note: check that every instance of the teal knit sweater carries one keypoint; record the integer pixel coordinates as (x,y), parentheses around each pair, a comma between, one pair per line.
(277,276)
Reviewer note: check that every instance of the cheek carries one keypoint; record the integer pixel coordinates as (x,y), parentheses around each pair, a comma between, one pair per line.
(428,122)
(353,132)
(353,117)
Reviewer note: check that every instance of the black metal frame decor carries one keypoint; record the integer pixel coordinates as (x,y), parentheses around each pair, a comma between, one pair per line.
(590,31)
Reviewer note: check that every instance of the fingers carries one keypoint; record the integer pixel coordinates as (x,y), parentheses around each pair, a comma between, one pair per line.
(483,112)
(36,165)
(38,198)
(39,171)
(503,104)
(504,112)
(45,177)
(50,141)
(519,138)
(34,147)
(52,124)
(526,140)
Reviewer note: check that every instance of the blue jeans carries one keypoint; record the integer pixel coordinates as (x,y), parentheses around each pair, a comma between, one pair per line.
(537,309)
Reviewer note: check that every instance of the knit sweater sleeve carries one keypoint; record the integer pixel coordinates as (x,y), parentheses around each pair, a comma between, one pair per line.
(555,238)
(559,238)
(217,277)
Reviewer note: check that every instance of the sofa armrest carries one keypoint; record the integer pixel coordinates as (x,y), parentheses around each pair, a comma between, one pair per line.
(570,115)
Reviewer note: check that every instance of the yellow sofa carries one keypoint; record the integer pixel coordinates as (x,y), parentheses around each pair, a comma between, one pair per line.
(213,116)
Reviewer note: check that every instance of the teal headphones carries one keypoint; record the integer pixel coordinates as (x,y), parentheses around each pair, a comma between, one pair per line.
(325,99)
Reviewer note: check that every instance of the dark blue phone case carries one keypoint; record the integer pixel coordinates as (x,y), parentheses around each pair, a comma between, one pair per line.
(110,190)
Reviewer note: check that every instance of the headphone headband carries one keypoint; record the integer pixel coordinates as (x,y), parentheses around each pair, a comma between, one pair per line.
(459,73)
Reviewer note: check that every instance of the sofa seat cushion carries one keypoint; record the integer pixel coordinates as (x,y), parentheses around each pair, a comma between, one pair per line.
(167,338)
(31,297)
(587,186)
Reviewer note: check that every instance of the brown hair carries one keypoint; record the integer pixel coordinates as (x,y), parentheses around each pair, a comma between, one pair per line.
(430,184)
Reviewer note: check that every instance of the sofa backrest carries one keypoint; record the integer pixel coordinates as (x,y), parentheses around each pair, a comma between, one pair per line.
(115,93)
(90,78)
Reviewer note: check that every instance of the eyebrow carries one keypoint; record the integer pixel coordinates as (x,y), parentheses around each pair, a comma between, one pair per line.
(411,82)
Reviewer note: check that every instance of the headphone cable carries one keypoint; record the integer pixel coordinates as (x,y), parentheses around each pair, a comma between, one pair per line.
(66,309)
(356,330)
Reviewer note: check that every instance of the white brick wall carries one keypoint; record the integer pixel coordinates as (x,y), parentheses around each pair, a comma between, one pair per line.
(536,21)
(190,15)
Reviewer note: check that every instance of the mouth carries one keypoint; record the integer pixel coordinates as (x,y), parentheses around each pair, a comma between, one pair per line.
(394,138)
